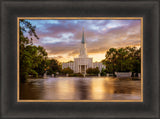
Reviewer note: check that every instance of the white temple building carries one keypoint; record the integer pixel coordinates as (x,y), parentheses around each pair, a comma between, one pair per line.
(83,62)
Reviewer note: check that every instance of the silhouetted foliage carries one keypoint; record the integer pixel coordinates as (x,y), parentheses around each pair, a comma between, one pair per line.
(76,75)
(32,58)
(67,71)
(53,67)
(92,71)
(103,72)
(123,60)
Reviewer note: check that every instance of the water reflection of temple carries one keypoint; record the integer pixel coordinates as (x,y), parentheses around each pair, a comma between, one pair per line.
(71,88)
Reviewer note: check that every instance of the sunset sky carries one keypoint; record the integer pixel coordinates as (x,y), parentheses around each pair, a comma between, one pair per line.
(62,38)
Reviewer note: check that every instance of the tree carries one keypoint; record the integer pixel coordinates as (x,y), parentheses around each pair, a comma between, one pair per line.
(96,71)
(110,60)
(67,71)
(32,57)
(93,71)
(42,67)
(103,72)
(123,60)
(53,67)
(89,71)
(26,27)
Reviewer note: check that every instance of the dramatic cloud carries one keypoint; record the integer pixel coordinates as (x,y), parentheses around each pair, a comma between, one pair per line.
(61,38)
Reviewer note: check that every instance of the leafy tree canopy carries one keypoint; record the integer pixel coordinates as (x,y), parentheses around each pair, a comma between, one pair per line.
(67,71)
(53,67)
(93,71)
(123,60)
(32,58)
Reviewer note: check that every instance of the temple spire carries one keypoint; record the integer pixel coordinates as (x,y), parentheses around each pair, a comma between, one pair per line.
(83,40)
(83,49)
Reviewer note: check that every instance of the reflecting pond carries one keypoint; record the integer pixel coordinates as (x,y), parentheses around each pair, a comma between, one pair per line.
(76,88)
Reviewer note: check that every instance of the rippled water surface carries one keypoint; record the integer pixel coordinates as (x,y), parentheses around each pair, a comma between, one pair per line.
(71,88)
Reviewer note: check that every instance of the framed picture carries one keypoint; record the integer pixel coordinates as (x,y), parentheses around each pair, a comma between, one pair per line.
(113,76)
(83,59)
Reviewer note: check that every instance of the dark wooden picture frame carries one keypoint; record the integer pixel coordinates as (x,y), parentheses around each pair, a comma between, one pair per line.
(80,100)
(148,9)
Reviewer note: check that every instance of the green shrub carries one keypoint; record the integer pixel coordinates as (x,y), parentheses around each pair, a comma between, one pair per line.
(76,75)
